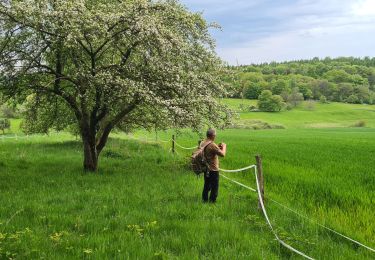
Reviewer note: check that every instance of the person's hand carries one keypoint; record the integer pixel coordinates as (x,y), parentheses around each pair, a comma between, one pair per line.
(222,145)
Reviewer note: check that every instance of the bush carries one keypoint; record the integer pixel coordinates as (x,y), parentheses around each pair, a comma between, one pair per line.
(353,99)
(7,112)
(4,124)
(295,98)
(323,99)
(270,103)
(288,106)
(310,105)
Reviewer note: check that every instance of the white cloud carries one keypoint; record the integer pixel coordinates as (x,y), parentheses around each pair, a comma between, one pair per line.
(294,46)
(259,30)
(364,8)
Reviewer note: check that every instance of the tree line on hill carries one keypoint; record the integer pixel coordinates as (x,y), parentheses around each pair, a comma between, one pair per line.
(346,79)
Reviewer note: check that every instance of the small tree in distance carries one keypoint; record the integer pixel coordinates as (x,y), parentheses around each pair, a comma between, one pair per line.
(103,64)
(295,97)
(7,111)
(323,99)
(310,105)
(270,103)
(4,124)
(353,99)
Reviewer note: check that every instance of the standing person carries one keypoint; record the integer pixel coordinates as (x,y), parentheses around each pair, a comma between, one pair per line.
(212,152)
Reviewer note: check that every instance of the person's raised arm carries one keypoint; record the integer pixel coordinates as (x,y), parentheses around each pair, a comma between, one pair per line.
(222,150)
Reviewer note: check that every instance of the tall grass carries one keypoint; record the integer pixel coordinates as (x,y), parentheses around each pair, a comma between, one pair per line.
(145,203)
(326,174)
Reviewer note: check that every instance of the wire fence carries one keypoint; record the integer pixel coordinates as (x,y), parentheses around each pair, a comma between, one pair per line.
(23,137)
(264,211)
(257,190)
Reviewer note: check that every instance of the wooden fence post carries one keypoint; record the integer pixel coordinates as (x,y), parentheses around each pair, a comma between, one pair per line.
(199,143)
(260,177)
(173,142)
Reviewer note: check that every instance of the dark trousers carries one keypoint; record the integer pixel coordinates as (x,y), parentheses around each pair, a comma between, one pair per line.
(211,184)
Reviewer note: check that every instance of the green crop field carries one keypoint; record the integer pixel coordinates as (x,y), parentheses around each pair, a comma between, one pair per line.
(145,203)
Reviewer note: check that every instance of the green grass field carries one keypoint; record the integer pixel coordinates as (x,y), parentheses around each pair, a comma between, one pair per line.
(145,203)
(333,115)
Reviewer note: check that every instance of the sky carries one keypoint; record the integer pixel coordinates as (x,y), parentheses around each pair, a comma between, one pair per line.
(256,31)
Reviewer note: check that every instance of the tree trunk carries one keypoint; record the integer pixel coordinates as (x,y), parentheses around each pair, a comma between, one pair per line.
(90,161)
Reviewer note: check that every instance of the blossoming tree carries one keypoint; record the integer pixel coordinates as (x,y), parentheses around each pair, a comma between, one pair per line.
(106,64)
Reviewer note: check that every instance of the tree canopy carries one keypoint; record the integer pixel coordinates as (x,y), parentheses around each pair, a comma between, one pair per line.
(103,64)
(270,103)
(345,79)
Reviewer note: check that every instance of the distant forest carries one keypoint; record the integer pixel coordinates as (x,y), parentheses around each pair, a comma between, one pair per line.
(347,79)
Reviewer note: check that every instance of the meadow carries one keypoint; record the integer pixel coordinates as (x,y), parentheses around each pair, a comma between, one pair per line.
(310,114)
(144,203)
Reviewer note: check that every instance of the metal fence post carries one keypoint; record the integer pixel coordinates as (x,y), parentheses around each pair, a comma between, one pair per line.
(260,177)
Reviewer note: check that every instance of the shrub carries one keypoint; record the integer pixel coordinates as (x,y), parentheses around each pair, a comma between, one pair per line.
(294,98)
(288,106)
(4,124)
(7,112)
(310,105)
(353,99)
(270,103)
(323,99)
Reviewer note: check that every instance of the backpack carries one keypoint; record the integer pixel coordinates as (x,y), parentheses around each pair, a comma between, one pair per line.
(198,160)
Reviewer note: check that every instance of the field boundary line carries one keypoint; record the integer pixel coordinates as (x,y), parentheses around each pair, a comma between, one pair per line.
(269,222)
(297,213)
(280,204)
(231,180)
(185,148)
(145,139)
(238,183)
(321,225)
(27,136)
(239,170)
(263,207)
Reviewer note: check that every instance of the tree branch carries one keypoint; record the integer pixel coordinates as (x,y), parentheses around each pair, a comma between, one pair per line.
(84,47)
(67,97)
(108,128)
(15,20)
